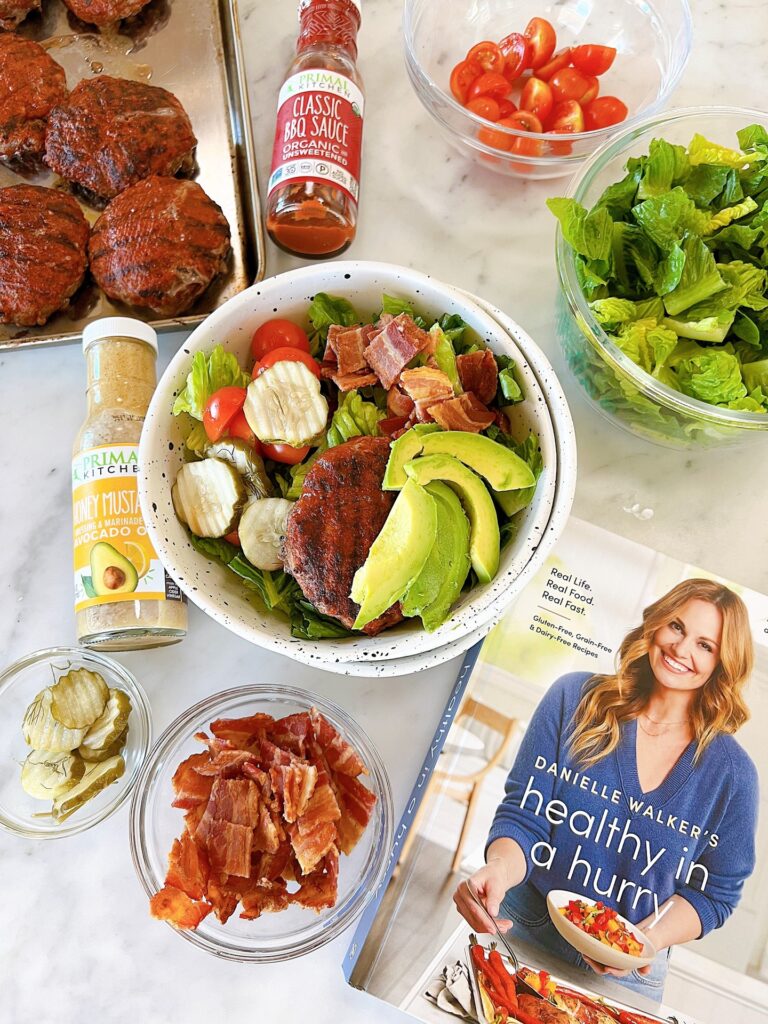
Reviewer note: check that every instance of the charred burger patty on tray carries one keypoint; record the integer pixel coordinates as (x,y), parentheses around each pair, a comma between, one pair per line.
(31,85)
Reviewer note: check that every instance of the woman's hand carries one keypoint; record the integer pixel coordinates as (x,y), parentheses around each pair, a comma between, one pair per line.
(490,884)
(613,971)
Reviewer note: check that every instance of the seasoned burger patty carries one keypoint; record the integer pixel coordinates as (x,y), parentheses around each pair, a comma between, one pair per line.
(104,12)
(14,11)
(331,527)
(159,244)
(31,84)
(111,133)
(43,239)
(542,1011)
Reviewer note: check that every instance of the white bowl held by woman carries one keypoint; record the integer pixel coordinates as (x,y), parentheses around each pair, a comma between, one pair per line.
(588,945)
(219,592)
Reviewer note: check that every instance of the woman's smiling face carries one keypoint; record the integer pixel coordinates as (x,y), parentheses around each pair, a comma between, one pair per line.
(686,651)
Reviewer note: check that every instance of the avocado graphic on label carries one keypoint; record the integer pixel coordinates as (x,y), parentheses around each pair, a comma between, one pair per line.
(111,572)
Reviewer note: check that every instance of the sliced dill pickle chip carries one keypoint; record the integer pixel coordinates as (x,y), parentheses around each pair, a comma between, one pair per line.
(96,777)
(110,723)
(102,753)
(79,698)
(46,774)
(43,732)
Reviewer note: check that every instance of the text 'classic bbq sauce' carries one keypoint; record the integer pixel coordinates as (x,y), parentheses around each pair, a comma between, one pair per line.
(314,183)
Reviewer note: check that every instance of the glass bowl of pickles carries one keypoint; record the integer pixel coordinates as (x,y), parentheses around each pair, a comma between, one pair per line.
(76,727)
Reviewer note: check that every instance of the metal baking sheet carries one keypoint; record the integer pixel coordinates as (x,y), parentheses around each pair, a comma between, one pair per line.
(192,48)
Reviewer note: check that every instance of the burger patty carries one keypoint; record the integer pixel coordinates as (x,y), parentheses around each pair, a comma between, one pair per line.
(331,527)
(12,12)
(104,12)
(31,84)
(43,239)
(159,245)
(112,133)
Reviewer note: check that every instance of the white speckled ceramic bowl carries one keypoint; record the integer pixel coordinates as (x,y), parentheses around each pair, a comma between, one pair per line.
(220,594)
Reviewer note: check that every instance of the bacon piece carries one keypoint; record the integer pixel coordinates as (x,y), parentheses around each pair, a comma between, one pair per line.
(268,754)
(295,783)
(479,374)
(348,345)
(394,347)
(229,847)
(340,755)
(269,833)
(194,816)
(174,906)
(291,732)
(464,412)
(320,888)
(259,776)
(312,845)
(502,421)
(241,731)
(327,370)
(270,866)
(226,763)
(265,897)
(223,900)
(235,800)
(426,386)
(398,403)
(188,867)
(190,787)
(352,381)
(356,802)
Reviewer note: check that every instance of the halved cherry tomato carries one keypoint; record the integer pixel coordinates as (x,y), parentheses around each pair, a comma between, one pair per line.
(506,107)
(592,91)
(285,453)
(561,148)
(537,99)
(525,121)
(220,409)
(462,76)
(233,538)
(560,60)
(279,355)
(496,139)
(567,117)
(603,112)
(490,83)
(278,334)
(530,146)
(238,427)
(568,84)
(485,106)
(517,51)
(488,55)
(593,60)
(541,35)
(392,424)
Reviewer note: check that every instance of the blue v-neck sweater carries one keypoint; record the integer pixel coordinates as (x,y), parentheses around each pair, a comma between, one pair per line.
(596,833)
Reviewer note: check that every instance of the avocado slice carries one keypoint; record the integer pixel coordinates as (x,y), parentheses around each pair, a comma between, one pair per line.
(433,592)
(484,540)
(405,448)
(503,470)
(398,554)
(111,572)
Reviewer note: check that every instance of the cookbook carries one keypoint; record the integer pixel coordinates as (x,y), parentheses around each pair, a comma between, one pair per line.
(595,784)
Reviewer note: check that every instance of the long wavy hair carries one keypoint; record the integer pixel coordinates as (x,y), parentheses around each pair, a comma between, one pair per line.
(718,706)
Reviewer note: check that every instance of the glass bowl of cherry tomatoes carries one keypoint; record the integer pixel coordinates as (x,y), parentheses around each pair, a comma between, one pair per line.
(531,88)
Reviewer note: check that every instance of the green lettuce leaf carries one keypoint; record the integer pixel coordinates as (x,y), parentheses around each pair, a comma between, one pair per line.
(619,198)
(666,218)
(209,373)
(298,473)
(754,136)
(354,417)
(746,329)
(705,183)
(646,343)
(724,217)
(669,271)
(325,310)
(508,385)
(197,440)
(756,375)
(712,376)
(699,280)
(635,260)
(667,165)
(701,151)
(588,233)
(445,356)
(394,306)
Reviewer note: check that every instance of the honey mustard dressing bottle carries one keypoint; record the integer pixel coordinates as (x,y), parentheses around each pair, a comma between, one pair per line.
(314,184)
(124,599)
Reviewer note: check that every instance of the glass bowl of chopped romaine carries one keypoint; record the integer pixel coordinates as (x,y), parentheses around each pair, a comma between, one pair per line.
(663,261)
(77,728)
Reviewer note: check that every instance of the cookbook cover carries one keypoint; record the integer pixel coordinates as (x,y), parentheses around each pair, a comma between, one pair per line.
(594,785)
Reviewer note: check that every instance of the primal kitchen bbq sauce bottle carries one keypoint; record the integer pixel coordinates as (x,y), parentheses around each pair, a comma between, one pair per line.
(315,179)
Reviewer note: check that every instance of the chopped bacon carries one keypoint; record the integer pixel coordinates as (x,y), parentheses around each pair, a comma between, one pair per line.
(311,845)
(188,867)
(327,370)
(356,802)
(226,763)
(194,816)
(502,421)
(270,866)
(352,381)
(295,783)
(174,906)
(269,754)
(223,900)
(426,386)
(240,731)
(479,374)
(348,345)
(464,412)
(291,732)
(394,347)
(339,754)
(190,787)
(268,833)
(259,776)
(319,889)
(235,800)
(398,403)
(229,847)
(265,897)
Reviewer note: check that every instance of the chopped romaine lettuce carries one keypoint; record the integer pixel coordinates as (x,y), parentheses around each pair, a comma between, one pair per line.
(353,417)
(445,356)
(209,373)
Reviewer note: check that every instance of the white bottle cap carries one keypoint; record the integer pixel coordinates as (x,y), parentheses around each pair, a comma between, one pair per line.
(119,327)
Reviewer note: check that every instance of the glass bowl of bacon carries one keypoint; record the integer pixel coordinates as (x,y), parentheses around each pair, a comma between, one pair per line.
(530,88)
(262,823)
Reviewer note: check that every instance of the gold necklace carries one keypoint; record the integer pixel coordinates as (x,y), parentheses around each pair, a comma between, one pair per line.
(665,726)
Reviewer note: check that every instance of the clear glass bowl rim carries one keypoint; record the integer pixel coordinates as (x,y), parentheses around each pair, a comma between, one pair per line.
(142,723)
(372,877)
(427,83)
(619,362)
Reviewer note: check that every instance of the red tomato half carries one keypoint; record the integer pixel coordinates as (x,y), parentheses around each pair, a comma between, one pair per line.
(517,51)
(279,355)
(238,427)
(541,35)
(537,99)
(568,84)
(567,117)
(495,139)
(592,91)
(220,409)
(525,121)
(485,106)
(462,76)
(490,83)
(506,107)
(285,453)
(593,60)
(278,334)
(560,60)
(603,112)
(487,55)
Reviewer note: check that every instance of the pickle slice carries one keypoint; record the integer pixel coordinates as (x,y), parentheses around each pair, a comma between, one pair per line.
(79,698)
(96,777)
(43,732)
(46,774)
(102,753)
(109,725)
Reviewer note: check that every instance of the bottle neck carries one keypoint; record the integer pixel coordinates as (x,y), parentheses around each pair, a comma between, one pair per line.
(121,375)
(331,24)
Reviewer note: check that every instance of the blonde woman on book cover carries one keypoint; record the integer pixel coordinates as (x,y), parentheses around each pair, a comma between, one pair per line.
(655,742)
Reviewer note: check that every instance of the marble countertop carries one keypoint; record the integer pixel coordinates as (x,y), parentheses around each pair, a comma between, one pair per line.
(77,942)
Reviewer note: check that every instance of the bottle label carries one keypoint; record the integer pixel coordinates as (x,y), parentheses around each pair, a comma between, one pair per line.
(319,131)
(114,557)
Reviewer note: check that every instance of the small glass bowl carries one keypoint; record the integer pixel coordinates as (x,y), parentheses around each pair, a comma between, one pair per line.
(653,39)
(19,685)
(615,385)
(155,824)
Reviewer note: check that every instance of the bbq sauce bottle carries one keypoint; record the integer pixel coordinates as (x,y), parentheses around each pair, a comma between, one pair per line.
(315,178)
